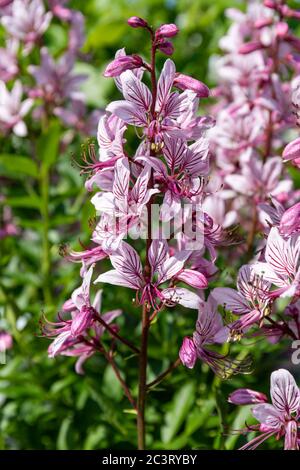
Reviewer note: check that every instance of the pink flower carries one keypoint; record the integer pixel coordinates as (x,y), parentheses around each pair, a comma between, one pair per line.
(128,273)
(290,221)
(280,418)
(209,330)
(8,61)
(251,300)
(169,106)
(13,109)
(72,336)
(28,21)
(281,267)
(292,151)
(55,81)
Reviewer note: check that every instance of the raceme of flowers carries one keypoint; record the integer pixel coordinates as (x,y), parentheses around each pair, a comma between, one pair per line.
(173,165)
(221,176)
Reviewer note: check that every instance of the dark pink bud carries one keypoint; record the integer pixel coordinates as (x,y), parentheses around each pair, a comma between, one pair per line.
(250,47)
(5,3)
(82,321)
(167,31)
(62,13)
(282,29)
(193,278)
(245,396)
(122,63)
(166,47)
(289,13)
(262,23)
(290,221)
(270,4)
(137,22)
(184,82)
(292,150)
(188,353)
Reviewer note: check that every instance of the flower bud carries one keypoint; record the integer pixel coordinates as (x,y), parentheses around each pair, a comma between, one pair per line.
(82,321)
(184,82)
(166,31)
(246,396)
(290,221)
(122,63)
(270,4)
(292,150)
(188,353)
(137,22)
(166,47)
(249,47)
(193,278)
(282,29)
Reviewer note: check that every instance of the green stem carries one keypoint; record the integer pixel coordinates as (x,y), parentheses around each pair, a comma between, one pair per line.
(46,253)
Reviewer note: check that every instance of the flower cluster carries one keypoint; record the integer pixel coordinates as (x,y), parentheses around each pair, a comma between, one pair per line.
(257,79)
(51,86)
(279,419)
(164,181)
(183,196)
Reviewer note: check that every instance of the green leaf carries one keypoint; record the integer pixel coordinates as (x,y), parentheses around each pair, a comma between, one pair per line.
(181,404)
(31,202)
(239,423)
(62,443)
(17,166)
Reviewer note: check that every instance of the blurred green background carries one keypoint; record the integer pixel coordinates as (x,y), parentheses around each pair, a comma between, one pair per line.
(44,404)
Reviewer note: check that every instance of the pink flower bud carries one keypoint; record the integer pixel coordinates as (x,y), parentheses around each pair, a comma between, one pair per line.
(193,278)
(188,353)
(6,341)
(166,47)
(246,396)
(167,31)
(5,3)
(289,13)
(249,47)
(282,29)
(122,63)
(270,4)
(62,13)
(82,321)
(290,221)
(292,150)
(137,22)
(184,82)
(262,23)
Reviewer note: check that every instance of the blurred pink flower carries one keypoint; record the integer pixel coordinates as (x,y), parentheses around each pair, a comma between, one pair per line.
(13,109)
(27,21)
